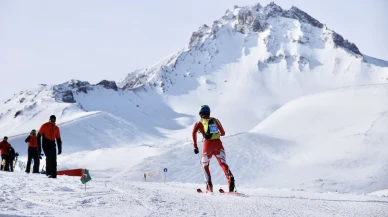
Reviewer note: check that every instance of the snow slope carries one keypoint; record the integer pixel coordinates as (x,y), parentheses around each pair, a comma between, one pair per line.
(89,116)
(101,130)
(339,139)
(35,195)
(332,141)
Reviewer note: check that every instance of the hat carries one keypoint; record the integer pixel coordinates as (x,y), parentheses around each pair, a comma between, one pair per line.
(33,131)
(5,137)
(52,117)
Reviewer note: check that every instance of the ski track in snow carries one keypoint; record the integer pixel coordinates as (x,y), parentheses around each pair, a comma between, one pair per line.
(35,195)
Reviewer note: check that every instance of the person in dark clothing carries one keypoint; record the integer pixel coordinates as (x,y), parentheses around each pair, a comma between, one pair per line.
(4,149)
(33,153)
(47,135)
(11,158)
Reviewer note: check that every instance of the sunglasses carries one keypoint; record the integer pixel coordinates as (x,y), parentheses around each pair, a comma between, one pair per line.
(52,120)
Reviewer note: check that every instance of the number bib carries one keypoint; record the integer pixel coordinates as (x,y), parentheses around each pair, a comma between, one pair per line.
(213,128)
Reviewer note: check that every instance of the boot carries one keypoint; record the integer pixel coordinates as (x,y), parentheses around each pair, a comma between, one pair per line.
(231,183)
(209,186)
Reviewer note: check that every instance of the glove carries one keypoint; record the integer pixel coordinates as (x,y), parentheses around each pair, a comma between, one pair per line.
(196,150)
(59,143)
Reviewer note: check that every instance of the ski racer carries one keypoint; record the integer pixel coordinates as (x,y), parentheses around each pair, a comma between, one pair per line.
(211,130)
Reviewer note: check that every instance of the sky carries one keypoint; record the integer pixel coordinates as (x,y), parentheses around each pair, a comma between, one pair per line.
(51,42)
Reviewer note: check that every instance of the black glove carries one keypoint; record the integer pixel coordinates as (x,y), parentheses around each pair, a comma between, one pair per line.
(59,143)
(196,151)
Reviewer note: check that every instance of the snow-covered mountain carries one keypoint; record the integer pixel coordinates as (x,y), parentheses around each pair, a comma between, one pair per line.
(261,56)
(248,64)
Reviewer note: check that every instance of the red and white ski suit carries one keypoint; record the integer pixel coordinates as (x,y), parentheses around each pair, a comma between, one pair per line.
(210,148)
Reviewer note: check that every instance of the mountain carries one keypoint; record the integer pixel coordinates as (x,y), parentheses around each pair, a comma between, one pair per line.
(262,55)
(112,116)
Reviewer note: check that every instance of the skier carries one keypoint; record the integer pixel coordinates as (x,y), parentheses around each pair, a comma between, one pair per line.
(32,152)
(50,132)
(211,130)
(4,148)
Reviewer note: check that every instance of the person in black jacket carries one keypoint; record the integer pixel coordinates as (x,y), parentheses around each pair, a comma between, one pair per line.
(11,158)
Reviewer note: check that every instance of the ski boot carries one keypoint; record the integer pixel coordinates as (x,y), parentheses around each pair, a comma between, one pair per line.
(209,186)
(231,182)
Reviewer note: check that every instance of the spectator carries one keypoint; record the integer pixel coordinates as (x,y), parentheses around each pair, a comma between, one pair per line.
(47,135)
(33,153)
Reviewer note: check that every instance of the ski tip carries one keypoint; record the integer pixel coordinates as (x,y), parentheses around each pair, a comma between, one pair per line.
(199,190)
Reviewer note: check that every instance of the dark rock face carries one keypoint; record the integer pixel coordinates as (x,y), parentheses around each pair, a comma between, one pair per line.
(108,84)
(198,35)
(302,16)
(341,42)
(273,10)
(68,97)
(17,113)
(134,83)
(80,86)
(257,27)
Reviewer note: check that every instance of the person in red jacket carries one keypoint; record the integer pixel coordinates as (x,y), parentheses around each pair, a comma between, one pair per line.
(4,148)
(47,135)
(211,130)
(33,153)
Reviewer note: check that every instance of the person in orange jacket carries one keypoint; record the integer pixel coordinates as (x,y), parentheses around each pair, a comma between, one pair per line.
(33,153)
(4,148)
(211,130)
(47,135)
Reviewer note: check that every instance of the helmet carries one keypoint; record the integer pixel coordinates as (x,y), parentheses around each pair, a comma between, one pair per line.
(33,131)
(204,110)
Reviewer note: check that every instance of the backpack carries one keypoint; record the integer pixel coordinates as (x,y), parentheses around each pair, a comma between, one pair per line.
(210,128)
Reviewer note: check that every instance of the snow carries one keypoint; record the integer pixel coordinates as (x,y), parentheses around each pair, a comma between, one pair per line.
(339,138)
(305,119)
(306,159)
(35,195)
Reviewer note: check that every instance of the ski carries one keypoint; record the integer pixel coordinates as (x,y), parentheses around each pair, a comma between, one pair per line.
(223,192)
(200,191)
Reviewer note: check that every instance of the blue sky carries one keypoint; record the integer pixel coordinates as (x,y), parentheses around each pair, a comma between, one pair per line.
(55,41)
